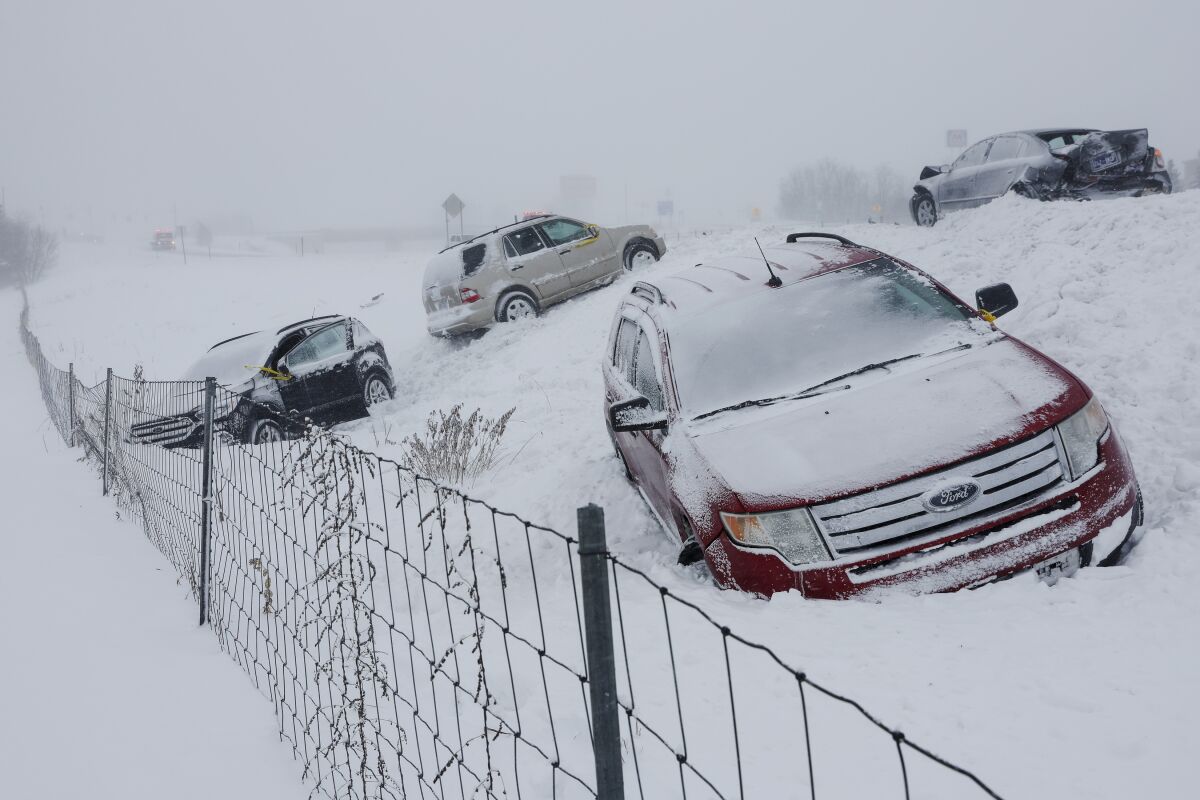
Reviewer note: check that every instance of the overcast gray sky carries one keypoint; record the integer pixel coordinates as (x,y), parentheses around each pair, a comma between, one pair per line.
(304,113)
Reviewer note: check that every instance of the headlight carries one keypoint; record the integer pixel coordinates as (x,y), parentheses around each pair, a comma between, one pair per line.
(792,534)
(223,405)
(1081,434)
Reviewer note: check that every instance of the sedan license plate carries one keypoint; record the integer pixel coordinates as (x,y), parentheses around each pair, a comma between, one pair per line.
(1105,160)
(1063,565)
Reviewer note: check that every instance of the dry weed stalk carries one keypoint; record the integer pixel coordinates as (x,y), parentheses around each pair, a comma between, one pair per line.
(454,450)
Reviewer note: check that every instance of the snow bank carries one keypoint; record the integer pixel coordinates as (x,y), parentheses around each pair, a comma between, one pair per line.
(1018,681)
(110,689)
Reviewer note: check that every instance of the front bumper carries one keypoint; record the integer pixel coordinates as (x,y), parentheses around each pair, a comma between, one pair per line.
(1099,508)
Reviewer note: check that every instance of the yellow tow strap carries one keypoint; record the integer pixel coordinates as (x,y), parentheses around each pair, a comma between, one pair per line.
(271,373)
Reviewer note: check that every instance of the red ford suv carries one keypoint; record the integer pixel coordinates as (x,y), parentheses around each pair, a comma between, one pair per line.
(830,419)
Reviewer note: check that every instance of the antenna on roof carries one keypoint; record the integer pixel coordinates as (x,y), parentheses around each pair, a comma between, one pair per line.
(774,283)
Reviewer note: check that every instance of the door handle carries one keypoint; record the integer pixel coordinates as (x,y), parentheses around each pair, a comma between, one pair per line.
(564,252)
(517,267)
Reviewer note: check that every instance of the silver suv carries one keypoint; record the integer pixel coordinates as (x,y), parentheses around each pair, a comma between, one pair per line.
(516,271)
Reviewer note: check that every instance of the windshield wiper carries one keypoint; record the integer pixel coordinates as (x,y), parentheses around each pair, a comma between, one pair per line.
(861,370)
(768,401)
(824,386)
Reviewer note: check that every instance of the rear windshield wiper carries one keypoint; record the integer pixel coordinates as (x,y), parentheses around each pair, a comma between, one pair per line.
(824,386)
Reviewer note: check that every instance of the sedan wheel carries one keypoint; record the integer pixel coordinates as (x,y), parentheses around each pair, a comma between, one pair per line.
(376,391)
(926,213)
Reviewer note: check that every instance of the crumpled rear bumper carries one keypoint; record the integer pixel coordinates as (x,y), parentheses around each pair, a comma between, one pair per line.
(1124,186)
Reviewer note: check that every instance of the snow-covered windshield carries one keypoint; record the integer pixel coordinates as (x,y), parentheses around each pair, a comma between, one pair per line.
(227,362)
(778,342)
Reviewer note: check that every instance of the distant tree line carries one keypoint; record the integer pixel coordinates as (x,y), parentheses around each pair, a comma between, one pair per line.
(830,191)
(26,251)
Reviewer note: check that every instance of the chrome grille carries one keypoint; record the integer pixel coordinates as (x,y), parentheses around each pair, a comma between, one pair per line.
(896,512)
(163,431)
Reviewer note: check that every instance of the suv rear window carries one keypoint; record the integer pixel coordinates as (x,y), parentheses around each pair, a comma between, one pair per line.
(472,258)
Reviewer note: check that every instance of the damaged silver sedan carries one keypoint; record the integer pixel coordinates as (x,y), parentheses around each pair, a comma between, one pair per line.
(1051,164)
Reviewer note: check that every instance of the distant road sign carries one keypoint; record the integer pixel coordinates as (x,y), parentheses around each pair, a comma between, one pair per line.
(666,208)
(453,205)
(956,137)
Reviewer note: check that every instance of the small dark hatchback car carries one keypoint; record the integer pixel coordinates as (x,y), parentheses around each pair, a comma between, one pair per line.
(847,425)
(326,369)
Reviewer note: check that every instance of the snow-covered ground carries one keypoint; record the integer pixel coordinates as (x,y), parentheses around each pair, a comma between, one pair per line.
(108,689)
(1085,689)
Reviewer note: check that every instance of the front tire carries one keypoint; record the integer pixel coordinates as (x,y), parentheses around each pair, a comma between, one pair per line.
(264,431)
(924,211)
(639,255)
(516,306)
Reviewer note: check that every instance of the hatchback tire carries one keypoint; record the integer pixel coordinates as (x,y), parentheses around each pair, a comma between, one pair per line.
(515,306)
(376,390)
(639,255)
(924,211)
(264,431)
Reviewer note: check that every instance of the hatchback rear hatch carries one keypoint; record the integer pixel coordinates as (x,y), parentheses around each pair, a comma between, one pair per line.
(1113,154)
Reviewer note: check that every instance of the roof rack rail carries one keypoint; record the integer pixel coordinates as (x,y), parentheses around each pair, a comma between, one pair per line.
(494,230)
(304,321)
(792,237)
(648,291)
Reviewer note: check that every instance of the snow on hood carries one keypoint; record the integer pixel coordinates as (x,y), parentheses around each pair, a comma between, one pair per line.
(227,362)
(881,430)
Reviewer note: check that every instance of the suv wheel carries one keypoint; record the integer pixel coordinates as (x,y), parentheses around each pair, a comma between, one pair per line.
(640,255)
(264,431)
(515,306)
(376,390)
(924,211)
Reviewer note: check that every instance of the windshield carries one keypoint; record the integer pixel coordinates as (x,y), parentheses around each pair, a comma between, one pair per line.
(774,343)
(227,362)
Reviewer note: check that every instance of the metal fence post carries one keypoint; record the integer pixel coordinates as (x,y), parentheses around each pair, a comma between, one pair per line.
(107,422)
(71,402)
(210,391)
(601,660)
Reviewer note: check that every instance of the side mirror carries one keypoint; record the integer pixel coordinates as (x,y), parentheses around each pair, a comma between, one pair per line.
(593,231)
(995,300)
(636,414)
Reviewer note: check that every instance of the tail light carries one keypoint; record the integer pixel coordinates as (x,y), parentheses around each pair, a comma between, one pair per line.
(468,295)
(1158,159)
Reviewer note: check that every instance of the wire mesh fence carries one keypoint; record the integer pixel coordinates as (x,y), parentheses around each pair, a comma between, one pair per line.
(417,642)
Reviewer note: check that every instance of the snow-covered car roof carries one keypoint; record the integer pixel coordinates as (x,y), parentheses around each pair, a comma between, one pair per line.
(227,361)
(713,282)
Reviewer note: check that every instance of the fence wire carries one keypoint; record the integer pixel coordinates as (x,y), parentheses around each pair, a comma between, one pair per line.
(416,642)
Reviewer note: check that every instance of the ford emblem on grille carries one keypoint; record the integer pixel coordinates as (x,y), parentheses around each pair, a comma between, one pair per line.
(951,495)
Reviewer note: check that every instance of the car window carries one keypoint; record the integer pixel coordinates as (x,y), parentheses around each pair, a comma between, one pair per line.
(623,351)
(473,258)
(812,331)
(1004,148)
(562,231)
(321,345)
(973,155)
(523,242)
(645,375)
